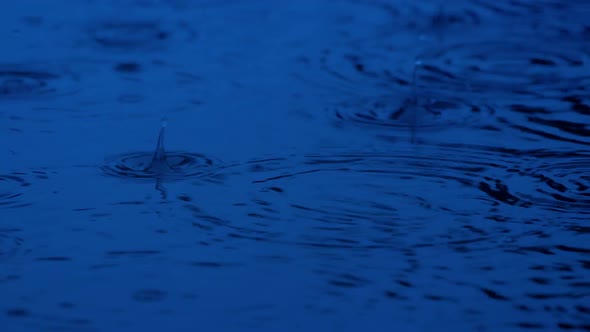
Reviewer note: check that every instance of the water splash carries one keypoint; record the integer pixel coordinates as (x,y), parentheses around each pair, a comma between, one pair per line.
(161,165)
(382,93)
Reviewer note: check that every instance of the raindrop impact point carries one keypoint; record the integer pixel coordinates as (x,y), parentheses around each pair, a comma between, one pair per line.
(160,164)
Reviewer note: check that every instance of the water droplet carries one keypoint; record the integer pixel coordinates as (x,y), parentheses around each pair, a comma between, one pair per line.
(386,95)
(161,164)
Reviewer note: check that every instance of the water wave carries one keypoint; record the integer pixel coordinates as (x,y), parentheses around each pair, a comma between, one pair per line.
(34,81)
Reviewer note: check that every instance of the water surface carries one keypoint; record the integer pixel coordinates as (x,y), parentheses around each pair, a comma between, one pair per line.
(282,166)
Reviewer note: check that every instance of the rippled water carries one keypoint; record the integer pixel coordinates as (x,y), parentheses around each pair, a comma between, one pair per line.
(25,82)
(314,165)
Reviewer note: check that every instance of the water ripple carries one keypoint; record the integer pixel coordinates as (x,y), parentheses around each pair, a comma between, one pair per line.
(545,17)
(11,190)
(138,165)
(564,183)
(414,20)
(491,86)
(31,81)
(510,69)
(365,199)
(406,197)
(383,92)
(160,164)
(138,35)
(422,113)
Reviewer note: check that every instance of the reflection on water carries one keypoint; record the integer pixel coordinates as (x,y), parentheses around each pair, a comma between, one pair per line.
(383,165)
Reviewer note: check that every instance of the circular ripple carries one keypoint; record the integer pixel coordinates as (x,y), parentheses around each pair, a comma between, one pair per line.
(508,69)
(538,121)
(386,89)
(388,199)
(447,195)
(564,183)
(32,81)
(137,35)
(425,112)
(424,19)
(180,165)
(419,208)
(11,190)
(553,17)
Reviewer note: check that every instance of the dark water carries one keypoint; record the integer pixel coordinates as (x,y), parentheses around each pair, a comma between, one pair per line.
(304,165)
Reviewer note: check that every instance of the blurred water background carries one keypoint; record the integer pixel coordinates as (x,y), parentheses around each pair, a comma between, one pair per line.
(310,165)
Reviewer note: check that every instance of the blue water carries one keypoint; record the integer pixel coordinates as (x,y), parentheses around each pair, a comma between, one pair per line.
(310,165)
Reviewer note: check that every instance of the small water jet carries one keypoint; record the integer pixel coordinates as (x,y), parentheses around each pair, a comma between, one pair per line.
(417,104)
(160,164)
